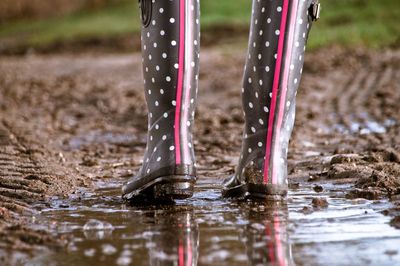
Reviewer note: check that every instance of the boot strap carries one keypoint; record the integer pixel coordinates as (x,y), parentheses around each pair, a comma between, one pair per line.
(315,11)
(146,10)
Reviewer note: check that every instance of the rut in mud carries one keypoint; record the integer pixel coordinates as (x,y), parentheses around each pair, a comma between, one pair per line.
(68,121)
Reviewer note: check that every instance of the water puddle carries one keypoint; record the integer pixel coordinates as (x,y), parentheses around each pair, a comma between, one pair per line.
(362,123)
(208,230)
(104,138)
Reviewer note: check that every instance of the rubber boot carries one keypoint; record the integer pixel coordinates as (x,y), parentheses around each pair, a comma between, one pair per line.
(278,35)
(170,50)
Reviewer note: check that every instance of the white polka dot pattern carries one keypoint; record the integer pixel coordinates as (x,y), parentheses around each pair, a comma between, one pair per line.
(275,56)
(170,52)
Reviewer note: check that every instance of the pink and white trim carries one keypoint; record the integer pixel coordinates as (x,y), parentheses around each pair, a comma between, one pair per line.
(185,72)
(276,82)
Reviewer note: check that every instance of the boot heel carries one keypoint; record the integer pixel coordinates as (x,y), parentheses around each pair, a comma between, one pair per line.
(175,188)
(266,192)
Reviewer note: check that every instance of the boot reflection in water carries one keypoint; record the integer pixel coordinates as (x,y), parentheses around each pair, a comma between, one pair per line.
(266,238)
(170,49)
(176,239)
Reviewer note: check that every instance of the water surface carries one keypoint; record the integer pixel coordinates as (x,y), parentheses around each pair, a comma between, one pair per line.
(208,230)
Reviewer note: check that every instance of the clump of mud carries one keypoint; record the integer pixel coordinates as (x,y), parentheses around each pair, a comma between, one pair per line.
(395,222)
(319,203)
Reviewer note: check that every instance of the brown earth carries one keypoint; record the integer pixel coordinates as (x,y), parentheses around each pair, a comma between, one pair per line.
(68,121)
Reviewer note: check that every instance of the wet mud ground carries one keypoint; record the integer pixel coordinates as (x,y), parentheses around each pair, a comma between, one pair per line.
(73,128)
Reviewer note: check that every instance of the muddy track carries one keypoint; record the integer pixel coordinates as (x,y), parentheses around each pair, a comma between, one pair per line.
(70,121)
(354,113)
(351,103)
(20,188)
(23,181)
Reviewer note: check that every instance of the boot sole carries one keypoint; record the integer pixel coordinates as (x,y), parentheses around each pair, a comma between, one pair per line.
(256,192)
(165,188)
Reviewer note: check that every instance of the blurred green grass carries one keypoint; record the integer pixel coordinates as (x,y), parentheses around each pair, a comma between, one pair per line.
(367,23)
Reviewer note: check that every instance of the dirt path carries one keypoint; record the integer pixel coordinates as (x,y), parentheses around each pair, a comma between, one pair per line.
(68,121)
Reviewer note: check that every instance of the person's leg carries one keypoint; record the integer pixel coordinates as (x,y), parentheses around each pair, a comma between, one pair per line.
(170,50)
(278,35)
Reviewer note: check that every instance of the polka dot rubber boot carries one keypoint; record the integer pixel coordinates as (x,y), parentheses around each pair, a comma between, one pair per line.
(170,50)
(278,35)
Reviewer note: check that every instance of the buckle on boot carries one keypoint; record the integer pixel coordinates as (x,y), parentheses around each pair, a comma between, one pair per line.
(315,11)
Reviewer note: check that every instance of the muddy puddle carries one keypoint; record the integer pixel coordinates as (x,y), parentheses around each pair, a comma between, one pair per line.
(313,227)
(70,121)
(363,124)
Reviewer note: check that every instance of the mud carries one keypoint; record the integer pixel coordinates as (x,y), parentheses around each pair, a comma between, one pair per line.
(320,203)
(209,230)
(69,121)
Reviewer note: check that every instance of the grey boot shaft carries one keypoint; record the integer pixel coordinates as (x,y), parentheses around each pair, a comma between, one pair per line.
(170,52)
(274,64)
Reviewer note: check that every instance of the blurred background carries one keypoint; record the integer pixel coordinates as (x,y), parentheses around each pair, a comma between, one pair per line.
(58,25)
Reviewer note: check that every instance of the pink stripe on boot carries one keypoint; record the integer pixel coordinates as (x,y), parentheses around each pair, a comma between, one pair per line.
(180,79)
(275,88)
(284,84)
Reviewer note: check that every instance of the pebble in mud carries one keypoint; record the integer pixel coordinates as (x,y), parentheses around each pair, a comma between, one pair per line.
(312,178)
(320,203)
(395,222)
(345,158)
(318,188)
(306,210)
(395,197)
(369,193)
(391,252)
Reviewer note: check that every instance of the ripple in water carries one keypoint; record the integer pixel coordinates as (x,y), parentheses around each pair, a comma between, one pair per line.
(209,230)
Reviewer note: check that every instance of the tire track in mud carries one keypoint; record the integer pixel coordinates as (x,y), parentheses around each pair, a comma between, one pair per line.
(352,111)
(22,181)
(350,103)
(346,97)
(19,174)
(384,77)
(356,122)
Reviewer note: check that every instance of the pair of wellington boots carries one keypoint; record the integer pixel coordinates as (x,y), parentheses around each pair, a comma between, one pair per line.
(170,56)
